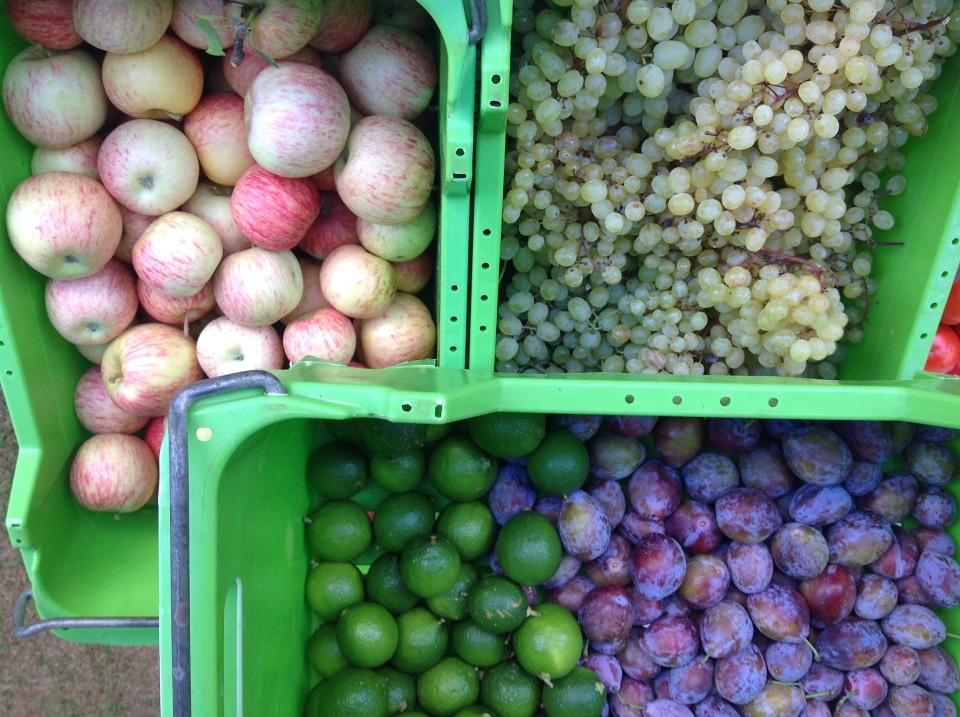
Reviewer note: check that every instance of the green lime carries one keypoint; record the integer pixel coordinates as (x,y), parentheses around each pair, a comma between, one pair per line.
(529,548)
(339,530)
(333,586)
(398,472)
(401,689)
(337,470)
(510,690)
(469,526)
(367,634)
(459,469)
(477,646)
(497,604)
(436,431)
(429,566)
(448,686)
(352,691)
(385,585)
(379,434)
(400,517)
(311,704)
(422,640)
(579,694)
(476,711)
(452,604)
(549,642)
(323,651)
(508,435)
(560,464)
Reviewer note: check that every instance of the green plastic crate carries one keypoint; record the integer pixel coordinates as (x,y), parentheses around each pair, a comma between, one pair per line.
(913,278)
(83,564)
(246,451)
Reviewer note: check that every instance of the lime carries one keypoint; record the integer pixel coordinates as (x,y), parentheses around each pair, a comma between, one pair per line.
(352,691)
(400,517)
(337,470)
(579,694)
(560,464)
(508,435)
(311,704)
(549,642)
(529,548)
(459,469)
(333,586)
(477,646)
(401,689)
(469,526)
(385,585)
(367,634)
(429,566)
(323,651)
(436,431)
(452,604)
(510,690)
(476,711)
(339,530)
(448,686)
(422,640)
(400,471)
(497,604)
(379,434)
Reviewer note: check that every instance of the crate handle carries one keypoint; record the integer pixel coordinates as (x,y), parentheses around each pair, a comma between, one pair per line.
(478,21)
(20,630)
(179,468)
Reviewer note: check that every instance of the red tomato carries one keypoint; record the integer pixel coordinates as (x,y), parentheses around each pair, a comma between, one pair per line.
(951,310)
(945,352)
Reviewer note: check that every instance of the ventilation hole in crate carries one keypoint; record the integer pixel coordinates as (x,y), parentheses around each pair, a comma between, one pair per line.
(438,411)
(484,297)
(495,79)
(484,265)
(459,175)
(934,305)
(483,328)
(204,434)
(454,287)
(629,398)
(924,335)
(495,103)
(487,232)
(460,151)
(406,407)
(453,349)
(677,400)
(956,240)
(943,275)
(8,372)
(724,400)
(454,319)
(773,403)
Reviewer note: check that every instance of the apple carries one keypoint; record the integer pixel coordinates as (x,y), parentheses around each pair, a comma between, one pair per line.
(399,242)
(344,23)
(404,332)
(121,25)
(54,98)
(134,225)
(241,77)
(148,166)
(186,13)
(163,81)
(113,472)
(80,158)
(404,13)
(44,22)
(274,212)
(944,353)
(297,118)
(175,310)
(324,179)
(225,347)
(312,298)
(257,287)
(414,275)
(64,225)
(325,334)
(211,202)
(177,254)
(97,411)
(390,71)
(334,226)
(277,28)
(153,434)
(145,366)
(216,129)
(93,309)
(93,354)
(356,282)
(386,173)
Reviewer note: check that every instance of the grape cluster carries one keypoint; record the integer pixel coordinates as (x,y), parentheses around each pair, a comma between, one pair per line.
(727,567)
(692,187)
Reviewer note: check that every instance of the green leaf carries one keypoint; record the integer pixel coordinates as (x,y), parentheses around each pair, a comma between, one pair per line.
(268,59)
(214,46)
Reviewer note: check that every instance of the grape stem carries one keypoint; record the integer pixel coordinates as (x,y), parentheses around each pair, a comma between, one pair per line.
(781,258)
(912,25)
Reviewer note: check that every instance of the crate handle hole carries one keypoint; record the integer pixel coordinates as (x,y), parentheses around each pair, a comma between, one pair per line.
(629,398)
(773,403)
(724,400)
(677,400)
(204,434)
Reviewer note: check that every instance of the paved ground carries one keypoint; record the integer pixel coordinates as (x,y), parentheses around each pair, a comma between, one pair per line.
(44,676)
